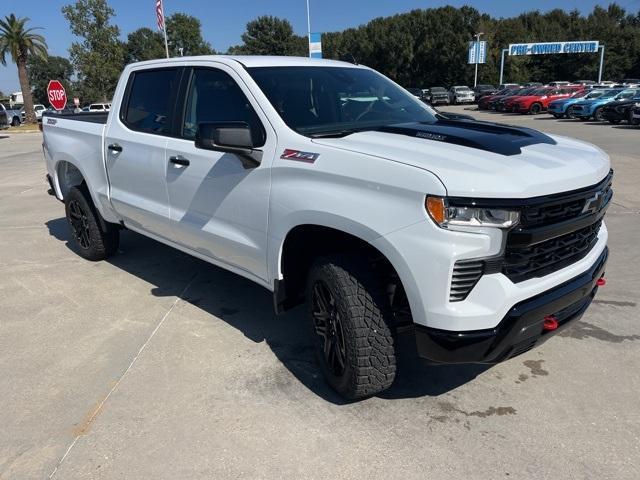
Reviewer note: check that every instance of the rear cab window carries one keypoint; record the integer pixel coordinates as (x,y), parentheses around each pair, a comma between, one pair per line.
(149,100)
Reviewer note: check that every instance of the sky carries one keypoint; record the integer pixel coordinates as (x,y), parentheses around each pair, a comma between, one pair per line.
(224,22)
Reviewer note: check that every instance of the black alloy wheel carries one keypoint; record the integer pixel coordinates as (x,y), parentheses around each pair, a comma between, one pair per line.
(79,225)
(328,327)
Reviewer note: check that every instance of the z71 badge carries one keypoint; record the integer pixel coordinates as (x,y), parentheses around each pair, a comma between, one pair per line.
(308,157)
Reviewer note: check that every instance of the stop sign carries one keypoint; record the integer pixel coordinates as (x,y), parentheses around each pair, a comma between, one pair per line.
(57,95)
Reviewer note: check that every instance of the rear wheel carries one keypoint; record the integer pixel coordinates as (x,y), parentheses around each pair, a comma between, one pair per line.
(91,240)
(350,316)
(597,115)
(535,109)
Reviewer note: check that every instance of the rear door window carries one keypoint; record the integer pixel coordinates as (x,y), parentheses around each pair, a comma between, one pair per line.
(150,100)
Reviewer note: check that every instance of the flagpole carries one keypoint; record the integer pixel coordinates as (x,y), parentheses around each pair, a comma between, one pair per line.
(164,28)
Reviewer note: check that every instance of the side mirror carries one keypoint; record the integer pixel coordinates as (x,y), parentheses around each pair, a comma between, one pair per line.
(229,137)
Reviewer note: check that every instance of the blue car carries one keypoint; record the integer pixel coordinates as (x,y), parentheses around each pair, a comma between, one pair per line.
(585,109)
(561,107)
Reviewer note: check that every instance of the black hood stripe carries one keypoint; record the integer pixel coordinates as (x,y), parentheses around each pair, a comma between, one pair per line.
(491,137)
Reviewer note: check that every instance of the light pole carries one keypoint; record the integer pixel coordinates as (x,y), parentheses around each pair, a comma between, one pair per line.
(308,28)
(477,35)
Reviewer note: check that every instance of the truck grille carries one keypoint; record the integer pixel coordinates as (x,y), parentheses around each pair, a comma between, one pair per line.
(539,258)
(522,263)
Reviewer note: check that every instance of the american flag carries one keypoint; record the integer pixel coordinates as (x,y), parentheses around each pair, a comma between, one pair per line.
(160,15)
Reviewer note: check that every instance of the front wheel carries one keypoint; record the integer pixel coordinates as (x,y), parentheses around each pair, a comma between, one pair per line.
(535,109)
(15,122)
(350,316)
(91,241)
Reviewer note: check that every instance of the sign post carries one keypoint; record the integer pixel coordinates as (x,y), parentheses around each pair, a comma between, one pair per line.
(477,54)
(161,25)
(56,94)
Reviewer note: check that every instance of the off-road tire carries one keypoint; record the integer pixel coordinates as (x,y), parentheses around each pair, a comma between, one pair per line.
(92,237)
(364,315)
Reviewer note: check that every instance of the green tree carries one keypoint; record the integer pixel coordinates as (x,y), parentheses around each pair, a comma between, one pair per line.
(42,69)
(144,44)
(185,36)
(269,35)
(99,57)
(21,44)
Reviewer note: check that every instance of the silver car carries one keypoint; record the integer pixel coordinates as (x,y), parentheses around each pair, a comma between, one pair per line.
(461,94)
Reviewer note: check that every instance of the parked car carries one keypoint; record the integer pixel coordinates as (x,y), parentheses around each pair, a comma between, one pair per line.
(416,92)
(505,104)
(558,83)
(461,94)
(438,95)
(630,81)
(13,115)
(619,110)
(484,90)
(99,107)
(584,82)
(538,100)
(483,102)
(38,108)
(562,108)
(586,109)
(504,86)
(494,100)
(532,84)
(352,204)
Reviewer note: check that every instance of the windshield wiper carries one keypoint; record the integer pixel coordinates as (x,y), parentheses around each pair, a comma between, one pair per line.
(336,133)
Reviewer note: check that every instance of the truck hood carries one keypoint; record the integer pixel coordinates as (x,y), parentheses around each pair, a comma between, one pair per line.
(482,159)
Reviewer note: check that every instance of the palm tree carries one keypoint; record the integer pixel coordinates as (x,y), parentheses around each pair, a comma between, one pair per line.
(21,43)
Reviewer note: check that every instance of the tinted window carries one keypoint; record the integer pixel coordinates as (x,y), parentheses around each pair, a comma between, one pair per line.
(215,97)
(150,99)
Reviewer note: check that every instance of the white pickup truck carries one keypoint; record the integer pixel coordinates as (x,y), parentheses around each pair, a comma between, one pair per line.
(327,182)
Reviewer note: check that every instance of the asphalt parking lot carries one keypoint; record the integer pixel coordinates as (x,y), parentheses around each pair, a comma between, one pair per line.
(155,365)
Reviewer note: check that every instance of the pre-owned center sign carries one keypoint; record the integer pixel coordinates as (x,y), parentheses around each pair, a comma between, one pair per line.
(547,48)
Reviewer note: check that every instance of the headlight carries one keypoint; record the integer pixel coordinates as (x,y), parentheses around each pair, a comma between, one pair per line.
(637,104)
(446,215)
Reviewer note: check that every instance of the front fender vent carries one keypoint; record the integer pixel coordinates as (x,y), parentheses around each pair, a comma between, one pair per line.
(466,273)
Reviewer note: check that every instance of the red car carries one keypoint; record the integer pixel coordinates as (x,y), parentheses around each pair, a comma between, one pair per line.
(540,99)
(483,103)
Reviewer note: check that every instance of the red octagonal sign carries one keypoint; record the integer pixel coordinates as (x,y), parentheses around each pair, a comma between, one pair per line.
(57,95)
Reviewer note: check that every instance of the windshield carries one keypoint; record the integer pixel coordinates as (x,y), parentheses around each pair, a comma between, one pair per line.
(625,94)
(438,90)
(319,101)
(595,94)
(609,93)
(462,89)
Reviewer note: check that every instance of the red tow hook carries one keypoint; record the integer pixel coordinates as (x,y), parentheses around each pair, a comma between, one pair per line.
(550,323)
(601,282)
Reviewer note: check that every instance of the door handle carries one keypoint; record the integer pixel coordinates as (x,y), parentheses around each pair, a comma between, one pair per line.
(179,160)
(114,147)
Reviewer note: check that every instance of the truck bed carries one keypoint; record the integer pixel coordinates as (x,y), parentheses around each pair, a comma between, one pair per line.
(93,117)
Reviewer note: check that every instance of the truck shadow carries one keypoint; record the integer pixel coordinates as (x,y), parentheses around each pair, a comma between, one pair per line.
(248,308)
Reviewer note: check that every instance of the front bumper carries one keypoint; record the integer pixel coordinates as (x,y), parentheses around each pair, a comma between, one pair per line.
(615,115)
(520,330)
